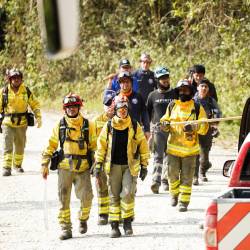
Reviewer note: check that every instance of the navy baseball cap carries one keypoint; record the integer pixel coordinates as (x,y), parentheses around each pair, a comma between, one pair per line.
(108,97)
(124,62)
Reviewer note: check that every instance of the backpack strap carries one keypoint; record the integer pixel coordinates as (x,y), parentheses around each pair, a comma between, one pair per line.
(171,106)
(134,124)
(28,92)
(4,98)
(197,109)
(85,130)
(62,131)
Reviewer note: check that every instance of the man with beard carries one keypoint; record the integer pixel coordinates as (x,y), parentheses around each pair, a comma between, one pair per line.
(157,103)
(183,144)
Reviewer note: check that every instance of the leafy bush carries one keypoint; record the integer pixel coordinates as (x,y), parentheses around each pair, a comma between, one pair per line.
(176,34)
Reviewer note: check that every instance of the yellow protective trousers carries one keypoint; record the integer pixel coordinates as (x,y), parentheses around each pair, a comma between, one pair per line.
(83,191)
(102,194)
(122,186)
(14,140)
(180,176)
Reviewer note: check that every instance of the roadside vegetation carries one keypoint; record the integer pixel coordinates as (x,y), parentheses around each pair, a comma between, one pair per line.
(176,33)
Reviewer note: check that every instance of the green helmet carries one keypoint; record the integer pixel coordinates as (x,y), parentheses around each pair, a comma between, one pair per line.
(161,71)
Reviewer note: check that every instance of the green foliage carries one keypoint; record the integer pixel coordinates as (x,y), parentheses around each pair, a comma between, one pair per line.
(176,33)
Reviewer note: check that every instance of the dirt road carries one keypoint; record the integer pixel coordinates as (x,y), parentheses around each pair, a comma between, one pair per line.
(156,226)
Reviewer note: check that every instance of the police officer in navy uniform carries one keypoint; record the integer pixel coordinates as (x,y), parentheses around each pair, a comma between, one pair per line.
(145,77)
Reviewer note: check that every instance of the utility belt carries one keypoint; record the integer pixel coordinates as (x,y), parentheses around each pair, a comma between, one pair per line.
(79,159)
(29,116)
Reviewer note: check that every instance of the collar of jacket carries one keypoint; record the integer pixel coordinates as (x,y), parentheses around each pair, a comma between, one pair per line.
(19,90)
(74,122)
(127,94)
(120,124)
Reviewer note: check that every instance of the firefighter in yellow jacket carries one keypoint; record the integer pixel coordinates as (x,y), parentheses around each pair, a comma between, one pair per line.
(122,151)
(183,143)
(77,140)
(15,98)
(102,186)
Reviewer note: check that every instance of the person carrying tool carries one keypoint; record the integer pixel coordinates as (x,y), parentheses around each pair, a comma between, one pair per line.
(157,103)
(122,152)
(15,98)
(102,186)
(212,111)
(77,140)
(183,143)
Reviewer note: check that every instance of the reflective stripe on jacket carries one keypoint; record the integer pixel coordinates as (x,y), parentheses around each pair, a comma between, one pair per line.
(178,144)
(71,146)
(18,103)
(103,153)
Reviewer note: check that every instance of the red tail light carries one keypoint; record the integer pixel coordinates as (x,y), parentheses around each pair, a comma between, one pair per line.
(210,232)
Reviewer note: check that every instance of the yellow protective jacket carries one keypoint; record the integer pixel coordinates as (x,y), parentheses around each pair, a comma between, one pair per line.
(178,144)
(104,145)
(71,146)
(99,122)
(18,103)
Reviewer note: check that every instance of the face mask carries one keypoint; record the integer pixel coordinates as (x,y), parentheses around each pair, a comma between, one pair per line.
(185,98)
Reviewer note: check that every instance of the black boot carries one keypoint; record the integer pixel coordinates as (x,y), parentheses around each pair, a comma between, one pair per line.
(127,226)
(155,188)
(103,219)
(6,171)
(66,234)
(18,169)
(165,185)
(115,231)
(83,227)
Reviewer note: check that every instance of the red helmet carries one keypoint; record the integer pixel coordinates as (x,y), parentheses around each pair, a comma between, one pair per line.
(121,101)
(72,100)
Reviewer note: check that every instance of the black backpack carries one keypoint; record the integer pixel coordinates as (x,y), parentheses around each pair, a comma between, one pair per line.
(58,155)
(5,96)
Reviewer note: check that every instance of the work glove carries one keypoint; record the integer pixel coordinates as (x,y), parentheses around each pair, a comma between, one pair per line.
(189,128)
(215,132)
(143,173)
(45,171)
(164,126)
(39,122)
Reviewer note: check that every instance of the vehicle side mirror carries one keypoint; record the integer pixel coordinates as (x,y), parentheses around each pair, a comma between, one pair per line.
(59,22)
(227,168)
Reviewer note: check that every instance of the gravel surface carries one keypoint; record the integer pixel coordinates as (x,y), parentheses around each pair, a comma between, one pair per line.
(28,222)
